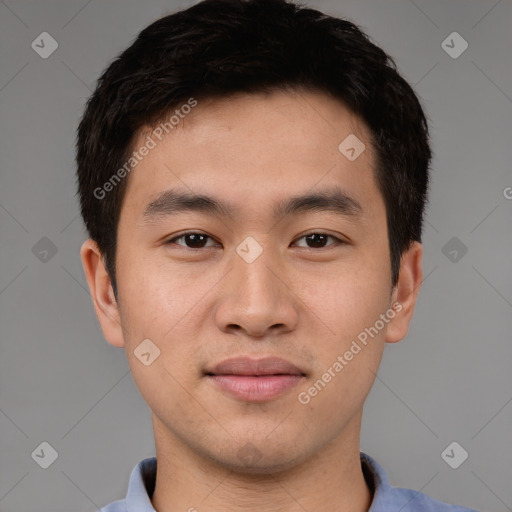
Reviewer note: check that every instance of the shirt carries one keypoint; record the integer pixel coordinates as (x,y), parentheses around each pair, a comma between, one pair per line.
(386,498)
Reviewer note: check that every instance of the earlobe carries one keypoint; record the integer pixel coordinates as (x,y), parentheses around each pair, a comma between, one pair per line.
(102,295)
(406,292)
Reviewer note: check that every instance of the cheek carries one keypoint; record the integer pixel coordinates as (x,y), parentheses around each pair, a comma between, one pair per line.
(356,333)
(347,307)
(347,299)
(148,316)
(346,361)
(153,296)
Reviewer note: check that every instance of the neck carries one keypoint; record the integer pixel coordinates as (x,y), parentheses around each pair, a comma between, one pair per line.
(330,480)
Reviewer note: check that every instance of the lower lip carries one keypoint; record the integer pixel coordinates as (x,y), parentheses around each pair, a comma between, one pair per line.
(253,388)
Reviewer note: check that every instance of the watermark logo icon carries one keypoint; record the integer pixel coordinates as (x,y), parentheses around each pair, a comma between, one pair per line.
(146,352)
(44,250)
(454,249)
(351,147)
(454,45)
(454,455)
(249,454)
(249,250)
(45,455)
(44,45)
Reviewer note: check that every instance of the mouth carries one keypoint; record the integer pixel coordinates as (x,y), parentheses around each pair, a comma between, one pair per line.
(255,380)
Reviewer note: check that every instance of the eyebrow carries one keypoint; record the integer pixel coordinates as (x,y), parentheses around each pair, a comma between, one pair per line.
(172,202)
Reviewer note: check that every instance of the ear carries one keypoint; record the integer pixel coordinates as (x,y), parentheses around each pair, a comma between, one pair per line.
(406,292)
(102,293)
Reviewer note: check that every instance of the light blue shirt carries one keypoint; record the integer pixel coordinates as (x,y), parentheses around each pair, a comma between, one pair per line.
(386,498)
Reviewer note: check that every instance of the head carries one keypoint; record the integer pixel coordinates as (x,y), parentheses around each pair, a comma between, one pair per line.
(236,119)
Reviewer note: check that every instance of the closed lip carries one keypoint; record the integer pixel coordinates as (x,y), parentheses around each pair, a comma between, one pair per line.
(255,367)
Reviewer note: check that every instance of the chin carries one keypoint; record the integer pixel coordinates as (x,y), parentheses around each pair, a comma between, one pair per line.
(260,459)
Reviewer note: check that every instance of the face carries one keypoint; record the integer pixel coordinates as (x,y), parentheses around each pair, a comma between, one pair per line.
(285,256)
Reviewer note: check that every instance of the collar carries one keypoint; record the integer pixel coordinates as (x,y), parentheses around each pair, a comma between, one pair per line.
(143,478)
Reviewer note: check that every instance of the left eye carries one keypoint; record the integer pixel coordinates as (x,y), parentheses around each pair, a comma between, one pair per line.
(318,240)
(192,240)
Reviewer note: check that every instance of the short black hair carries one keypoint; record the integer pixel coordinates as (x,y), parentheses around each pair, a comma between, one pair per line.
(217,48)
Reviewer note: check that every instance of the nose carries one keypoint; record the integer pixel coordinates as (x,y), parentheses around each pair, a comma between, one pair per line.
(256,298)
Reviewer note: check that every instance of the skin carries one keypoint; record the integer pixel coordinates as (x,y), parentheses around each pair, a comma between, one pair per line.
(296,301)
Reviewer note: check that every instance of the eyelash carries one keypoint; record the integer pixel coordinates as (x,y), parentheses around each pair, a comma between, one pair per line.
(172,241)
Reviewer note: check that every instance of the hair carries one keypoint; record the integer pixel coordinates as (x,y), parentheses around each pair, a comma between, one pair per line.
(217,48)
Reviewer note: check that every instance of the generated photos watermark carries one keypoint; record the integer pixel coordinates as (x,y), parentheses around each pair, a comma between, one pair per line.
(137,156)
(305,397)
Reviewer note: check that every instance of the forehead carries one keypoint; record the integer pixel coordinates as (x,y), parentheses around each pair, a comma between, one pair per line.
(254,148)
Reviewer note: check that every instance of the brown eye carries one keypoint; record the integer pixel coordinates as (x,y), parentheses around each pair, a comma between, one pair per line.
(191,240)
(319,240)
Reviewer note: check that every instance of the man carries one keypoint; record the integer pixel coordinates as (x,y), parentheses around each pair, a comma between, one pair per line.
(253,177)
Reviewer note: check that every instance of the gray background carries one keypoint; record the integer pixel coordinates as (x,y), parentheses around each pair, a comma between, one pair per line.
(450,380)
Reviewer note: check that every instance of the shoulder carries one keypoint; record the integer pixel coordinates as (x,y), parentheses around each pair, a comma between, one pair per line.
(408,500)
(388,498)
(115,506)
(140,488)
